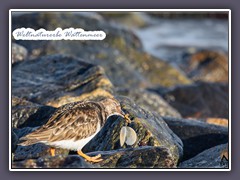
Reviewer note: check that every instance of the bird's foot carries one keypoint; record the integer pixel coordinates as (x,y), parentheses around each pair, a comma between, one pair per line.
(52,151)
(89,158)
(126,117)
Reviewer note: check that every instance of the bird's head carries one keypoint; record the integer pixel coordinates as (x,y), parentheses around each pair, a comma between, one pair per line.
(111,107)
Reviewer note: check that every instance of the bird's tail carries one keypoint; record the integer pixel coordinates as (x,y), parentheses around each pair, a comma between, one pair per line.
(26,142)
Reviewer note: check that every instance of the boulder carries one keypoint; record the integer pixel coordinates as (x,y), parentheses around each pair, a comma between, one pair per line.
(210,158)
(197,136)
(208,66)
(28,114)
(150,101)
(56,80)
(142,157)
(199,100)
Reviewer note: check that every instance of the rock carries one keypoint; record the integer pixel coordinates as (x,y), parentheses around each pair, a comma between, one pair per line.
(142,157)
(197,136)
(150,101)
(19,53)
(208,66)
(210,158)
(59,161)
(56,80)
(120,54)
(200,100)
(14,141)
(217,121)
(33,151)
(150,128)
(128,19)
(28,114)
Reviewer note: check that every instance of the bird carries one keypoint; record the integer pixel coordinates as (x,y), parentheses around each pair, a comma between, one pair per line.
(73,125)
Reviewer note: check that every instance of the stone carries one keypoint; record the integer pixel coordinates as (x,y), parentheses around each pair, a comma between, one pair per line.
(150,101)
(208,66)
(56,80)
(199,100)
(142,157)
(210,158)
(196,136)
(28,114)
(14,140)
(19,53)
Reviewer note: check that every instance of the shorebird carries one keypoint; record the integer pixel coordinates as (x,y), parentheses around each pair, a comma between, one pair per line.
(73,125)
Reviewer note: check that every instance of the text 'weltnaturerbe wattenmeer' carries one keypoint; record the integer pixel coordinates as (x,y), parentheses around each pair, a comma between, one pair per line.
(57,34)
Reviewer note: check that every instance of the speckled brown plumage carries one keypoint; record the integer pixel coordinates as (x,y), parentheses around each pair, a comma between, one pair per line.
(74,121)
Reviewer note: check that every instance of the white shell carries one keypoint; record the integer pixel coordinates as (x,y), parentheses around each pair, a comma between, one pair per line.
(128,136)
(131,137)
(123,133)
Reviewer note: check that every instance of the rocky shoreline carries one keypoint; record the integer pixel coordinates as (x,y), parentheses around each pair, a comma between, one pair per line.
(180,115)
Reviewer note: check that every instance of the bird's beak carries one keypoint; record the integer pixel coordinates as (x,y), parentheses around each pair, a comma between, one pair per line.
(122,113)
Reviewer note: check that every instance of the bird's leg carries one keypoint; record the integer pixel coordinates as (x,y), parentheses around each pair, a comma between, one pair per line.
(126,117)
(52,151)
(88,158)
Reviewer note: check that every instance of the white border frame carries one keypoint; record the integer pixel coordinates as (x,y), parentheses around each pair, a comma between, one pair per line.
(118,10)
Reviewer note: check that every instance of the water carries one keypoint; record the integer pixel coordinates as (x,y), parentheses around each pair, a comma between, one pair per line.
(170,39)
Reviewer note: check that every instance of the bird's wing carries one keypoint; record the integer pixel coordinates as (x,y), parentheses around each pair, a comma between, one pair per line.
(78,123)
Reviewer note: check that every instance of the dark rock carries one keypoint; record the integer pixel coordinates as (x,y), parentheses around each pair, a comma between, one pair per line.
(142,157)
(208,66)
(197,136)
(28,114)
(19,53)
(59,161)
(150,101)
(200,100)
(14,141)
(210,158)
(35,151)
(150,128)
(23,131)
(56,80)
(120,54)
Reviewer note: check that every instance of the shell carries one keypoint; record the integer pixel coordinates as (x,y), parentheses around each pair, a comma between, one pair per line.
(127,135)
(123,133)
(131,137)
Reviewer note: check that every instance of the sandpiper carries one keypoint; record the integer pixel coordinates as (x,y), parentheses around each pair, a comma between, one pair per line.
(73,125)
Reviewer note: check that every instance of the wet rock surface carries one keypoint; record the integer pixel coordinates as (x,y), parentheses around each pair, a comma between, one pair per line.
(197,136)
(210,158)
